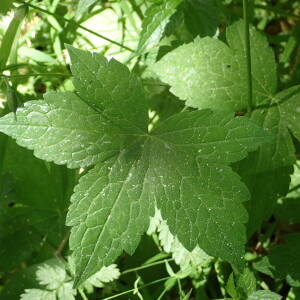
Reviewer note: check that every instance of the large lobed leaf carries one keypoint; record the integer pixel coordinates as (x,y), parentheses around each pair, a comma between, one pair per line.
(181,166)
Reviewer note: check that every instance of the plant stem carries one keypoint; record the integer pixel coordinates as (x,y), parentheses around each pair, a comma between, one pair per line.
(82,294)
(147,266)
(79,26)
(141,287)
(248,55)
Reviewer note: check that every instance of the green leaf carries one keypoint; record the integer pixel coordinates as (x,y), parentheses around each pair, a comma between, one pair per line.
(264,295)
(202,17)
(37,55)
(245,283)
(288,209)
(37,294)
(110,89)
(109,211)
(170,244)
(105,275)
(11,32)
(266,172)
(208,73)
(51,276)
(283,261)
(5,6)
(27,224)
(154,23)
(181,166)
(63,129)
(83,6)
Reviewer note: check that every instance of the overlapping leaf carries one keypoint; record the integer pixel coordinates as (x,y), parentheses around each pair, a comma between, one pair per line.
(208,73)
(156,19)
(181,166)
(283,261)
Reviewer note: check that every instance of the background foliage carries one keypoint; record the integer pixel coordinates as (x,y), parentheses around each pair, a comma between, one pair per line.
(160,41)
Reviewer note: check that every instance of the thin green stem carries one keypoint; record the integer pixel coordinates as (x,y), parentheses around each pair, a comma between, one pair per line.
(295,188)
(82,294)
(248,55)
(141,287)
(79,25)
(147,266)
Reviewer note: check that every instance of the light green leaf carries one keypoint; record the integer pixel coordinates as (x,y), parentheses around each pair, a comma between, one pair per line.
(63,129)
(83,6)
(170,244)
(37,294)
(154,23)
(12,31)
(37,55)
(264,295)
(51,276)
(105,275)
(66,291)
(208,73)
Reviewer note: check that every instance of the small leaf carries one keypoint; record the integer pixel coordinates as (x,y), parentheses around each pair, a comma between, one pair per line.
(37,294)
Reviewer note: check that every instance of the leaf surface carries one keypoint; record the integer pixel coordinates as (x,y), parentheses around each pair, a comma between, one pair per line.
(207,73)
(283,261)
(154,23)
(181,166)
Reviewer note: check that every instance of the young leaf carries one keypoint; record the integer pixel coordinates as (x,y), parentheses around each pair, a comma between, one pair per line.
(37,294)
(11,33)
(170,244)
(156,19)
(181,165)
(208,73)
